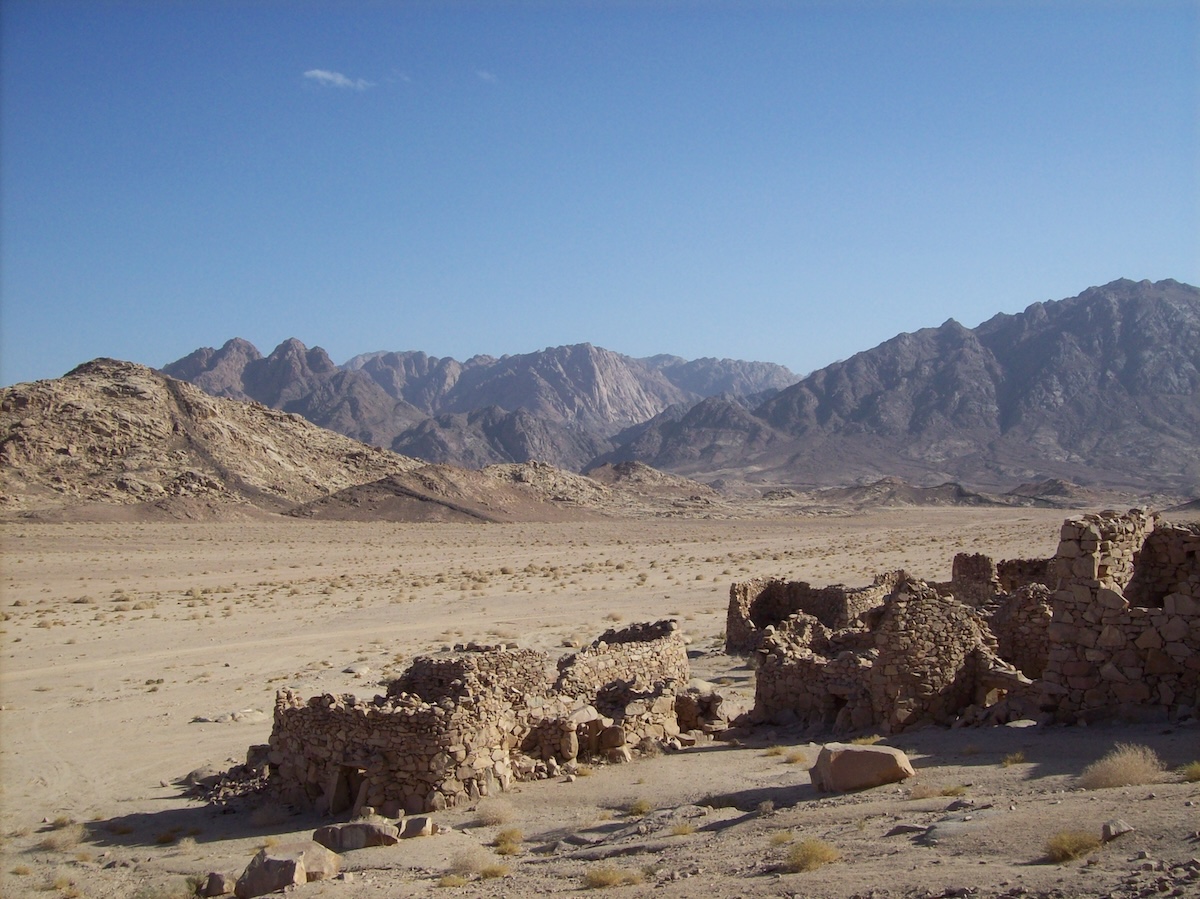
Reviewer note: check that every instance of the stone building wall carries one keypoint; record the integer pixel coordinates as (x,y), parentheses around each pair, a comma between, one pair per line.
(622,662)
(758,604)
(1013,574)
(1125,636)
(919,658)
(973,579)
(1020,622)
(518,672)
(455,728)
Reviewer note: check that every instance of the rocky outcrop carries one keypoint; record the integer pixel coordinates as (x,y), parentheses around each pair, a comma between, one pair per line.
(117,433)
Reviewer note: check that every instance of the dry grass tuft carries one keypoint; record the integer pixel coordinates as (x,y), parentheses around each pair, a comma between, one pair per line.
(62,839)
(494,812)
(1190,772)
(782,837)
(1070,844)
(1013,758)
(810,854)
(610,876)
(639,807)
(508,841)
(866,741)
(470,861)
(773,751)
(1127,765)
(452,880)
(489,872)
(796,757)
(683,829)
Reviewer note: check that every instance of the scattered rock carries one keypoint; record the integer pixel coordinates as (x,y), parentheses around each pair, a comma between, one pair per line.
(290,864)
(356,835)
(217,884)
(417,826)
(841,767)
(1113,829)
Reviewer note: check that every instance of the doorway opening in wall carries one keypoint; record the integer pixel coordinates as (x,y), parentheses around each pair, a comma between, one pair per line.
(349,784)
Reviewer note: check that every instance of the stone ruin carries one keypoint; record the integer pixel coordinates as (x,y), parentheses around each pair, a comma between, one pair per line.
(457,727)
(1125,636)
(1109,626)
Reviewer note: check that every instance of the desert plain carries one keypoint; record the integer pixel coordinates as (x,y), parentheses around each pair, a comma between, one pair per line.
(136,652)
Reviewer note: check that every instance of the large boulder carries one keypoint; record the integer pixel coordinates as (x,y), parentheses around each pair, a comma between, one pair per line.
(841,767)
(289,864)
(357,835)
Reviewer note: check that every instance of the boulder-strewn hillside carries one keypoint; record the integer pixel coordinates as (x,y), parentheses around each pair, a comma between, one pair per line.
(562,404)
(117,433)
(1103,388)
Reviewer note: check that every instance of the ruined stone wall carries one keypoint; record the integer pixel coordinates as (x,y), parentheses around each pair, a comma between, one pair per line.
(761,603)
(933,654)
(1020,622)
(1108,654)
(1013,574)
(921,658)
(455,728)
(973,579)
(622,662)
(518,672)
(1166,563)
(803,679)
(339,753)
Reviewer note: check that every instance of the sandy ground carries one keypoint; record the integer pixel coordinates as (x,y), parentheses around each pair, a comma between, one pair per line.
(117,638)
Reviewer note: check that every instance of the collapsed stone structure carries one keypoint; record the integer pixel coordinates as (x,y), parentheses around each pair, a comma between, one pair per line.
(457,727)
(1110,625)
(1125,635)
(759,606)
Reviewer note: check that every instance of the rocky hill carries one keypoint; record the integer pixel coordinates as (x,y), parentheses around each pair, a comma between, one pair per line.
(561,405)
(1102,388)
(121,434)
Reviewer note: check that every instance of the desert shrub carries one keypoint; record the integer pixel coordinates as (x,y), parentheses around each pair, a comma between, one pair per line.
(866,741)
(489,872)
(1127,765)
(61,839)
(452,880)
(810,854)
(470,861)
(494,812)
(610,876)
(766,808)
(1013,758)
(639,807)
(1070,844)
(683,829)
(796,757)
(782,837)
(1190,772)
(508,841)
(773,751)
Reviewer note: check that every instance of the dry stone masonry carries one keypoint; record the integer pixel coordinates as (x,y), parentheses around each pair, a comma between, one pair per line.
(457,727)
(1125,635)
(1109,626)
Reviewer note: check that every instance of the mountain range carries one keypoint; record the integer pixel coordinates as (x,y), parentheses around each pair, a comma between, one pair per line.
(561,405)
(1099,389)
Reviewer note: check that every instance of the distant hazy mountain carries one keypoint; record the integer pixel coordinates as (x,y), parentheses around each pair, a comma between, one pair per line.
(1100,388)
(561,405)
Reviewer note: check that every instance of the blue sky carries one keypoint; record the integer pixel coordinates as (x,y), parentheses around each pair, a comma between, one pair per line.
(788,182)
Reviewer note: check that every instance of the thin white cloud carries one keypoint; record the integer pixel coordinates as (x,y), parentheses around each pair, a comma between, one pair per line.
(484,75)
(337,79)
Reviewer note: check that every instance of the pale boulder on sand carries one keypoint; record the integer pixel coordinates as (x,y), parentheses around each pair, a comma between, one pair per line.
(290,864)
(842,766)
